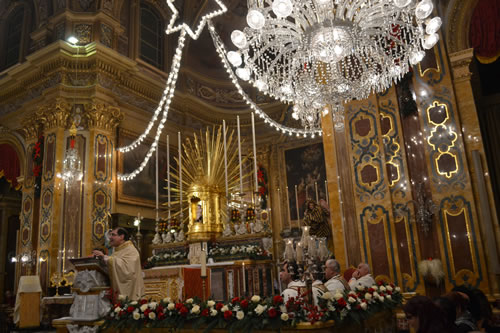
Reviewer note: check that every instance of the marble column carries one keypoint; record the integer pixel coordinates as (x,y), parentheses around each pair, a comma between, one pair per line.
(55,116)
(481,182)
(100,180)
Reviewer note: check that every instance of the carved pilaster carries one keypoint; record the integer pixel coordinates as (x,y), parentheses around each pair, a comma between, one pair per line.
(103,117)
(56,114)
(31,125)
(460,62)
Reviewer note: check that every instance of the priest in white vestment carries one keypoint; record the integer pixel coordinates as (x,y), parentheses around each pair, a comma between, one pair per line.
(288,277)
(361,277)
(335,281)
(124,265)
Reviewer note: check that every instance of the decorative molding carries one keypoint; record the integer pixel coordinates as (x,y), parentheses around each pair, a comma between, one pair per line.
(103,117)
(460,62)
(56,114)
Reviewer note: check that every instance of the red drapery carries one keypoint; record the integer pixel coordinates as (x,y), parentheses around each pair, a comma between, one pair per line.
(193,284)
(9,165)
(485,31)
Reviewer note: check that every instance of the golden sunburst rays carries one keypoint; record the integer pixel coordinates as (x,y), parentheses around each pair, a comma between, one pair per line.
(203,170)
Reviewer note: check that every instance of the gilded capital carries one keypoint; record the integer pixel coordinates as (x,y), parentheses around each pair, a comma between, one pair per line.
(55,114)
(102,116)
(31,125)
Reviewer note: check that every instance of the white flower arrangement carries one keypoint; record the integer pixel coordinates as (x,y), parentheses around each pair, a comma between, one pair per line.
(255,298)
(121,297)
(195,309)
(210,303)
(364,305)
(259,309)
(136,315)
(170,306)
(152,305)
(143,307)
(224,308)
(189,301)
(152,315)
(284,316)
(213,312)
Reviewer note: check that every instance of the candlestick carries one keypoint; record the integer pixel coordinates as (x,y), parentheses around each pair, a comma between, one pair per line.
(225,157)
(316,189)
(156,182)
(168,176)
(203,260)
(254,154)
(297,205)
(326,192)
(180,176)
(239,153)
(244,280)
(288,206)
(279,210)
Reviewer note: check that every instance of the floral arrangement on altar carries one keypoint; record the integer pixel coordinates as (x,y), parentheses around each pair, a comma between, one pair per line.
(37,157)
(167,258)
(248,251)
(246,314)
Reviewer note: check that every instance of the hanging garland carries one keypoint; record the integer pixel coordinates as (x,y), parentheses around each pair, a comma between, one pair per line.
(262,182)
(37,156)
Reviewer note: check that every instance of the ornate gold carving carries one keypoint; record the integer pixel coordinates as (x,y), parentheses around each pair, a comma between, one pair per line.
(30,127)
(55,114)
(101,116)
(458,24)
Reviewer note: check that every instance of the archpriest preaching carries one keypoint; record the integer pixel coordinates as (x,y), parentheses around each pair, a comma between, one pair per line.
(124,265)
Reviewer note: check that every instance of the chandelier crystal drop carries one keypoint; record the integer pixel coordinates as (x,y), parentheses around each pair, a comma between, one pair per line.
(72,167)
(313,53)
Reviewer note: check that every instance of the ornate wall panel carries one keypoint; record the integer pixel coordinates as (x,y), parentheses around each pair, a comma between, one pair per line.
(372,190)
(449,176)
(50,157)
(398,179)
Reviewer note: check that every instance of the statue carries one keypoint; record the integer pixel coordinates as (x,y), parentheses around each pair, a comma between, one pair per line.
(158,238)
(316,217)
(179,237)
(227,230)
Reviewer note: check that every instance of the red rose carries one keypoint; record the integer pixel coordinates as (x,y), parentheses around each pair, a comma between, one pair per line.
(341,302)
(228,314)
(159,309)
(371,290)
(130,309)
(380,283)
(244,304)
(277,299)
(143,301)
(183,311)
(219,306)
(204,313)
(161,316)
(121,313)
(178,306)
(272,313)
(235,300)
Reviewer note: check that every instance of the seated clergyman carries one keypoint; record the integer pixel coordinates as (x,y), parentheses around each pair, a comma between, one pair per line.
(361,277)
(334,281)
(290,279)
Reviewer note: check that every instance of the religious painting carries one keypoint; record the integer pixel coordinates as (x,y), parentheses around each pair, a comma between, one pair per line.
(141,189)
(305,177)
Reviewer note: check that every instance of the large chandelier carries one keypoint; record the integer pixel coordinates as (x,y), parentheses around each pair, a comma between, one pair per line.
(319,53)
(72,165)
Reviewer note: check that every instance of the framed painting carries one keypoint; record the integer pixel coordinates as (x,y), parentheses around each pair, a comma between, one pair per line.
(141,189)
(305,169)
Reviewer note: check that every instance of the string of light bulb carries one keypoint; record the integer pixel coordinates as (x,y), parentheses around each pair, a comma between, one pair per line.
(167,99)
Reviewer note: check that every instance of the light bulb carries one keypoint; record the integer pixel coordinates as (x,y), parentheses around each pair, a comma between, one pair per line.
(424,9)
(401,3)
(416,57)
(282,8)
(430,41)
(234,58)
(243,73)
(239,39)
(433,25)
(255,19)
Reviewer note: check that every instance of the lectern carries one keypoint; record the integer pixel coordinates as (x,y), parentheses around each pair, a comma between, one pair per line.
(89,289)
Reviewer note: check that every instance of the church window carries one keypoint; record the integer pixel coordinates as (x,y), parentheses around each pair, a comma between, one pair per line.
(151,36)
(13,37)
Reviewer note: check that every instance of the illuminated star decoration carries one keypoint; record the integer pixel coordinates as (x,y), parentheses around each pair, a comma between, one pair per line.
(194,35)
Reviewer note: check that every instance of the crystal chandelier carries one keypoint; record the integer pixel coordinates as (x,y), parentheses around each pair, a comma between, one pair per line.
(72,165)
(314,53)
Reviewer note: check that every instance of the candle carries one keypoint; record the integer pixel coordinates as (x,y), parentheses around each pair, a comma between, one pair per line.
(203,260)
(225,157)
(244,280)
(297,205)
(312,247)
(279,210)
(168,176)
(254,154)
(288,206)
(300,252)
(180,175)
(326,192)
(239,153)
(316,189)
(156,182)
